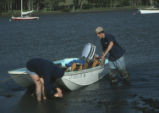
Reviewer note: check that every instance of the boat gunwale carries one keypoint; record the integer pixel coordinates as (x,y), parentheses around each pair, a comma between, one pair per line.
(67,73)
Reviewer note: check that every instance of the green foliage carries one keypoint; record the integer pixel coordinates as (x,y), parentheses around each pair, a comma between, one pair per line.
(67,5)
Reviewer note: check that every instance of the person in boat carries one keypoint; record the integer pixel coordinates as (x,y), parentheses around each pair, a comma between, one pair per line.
(76,64)
(44,74)
(83,63)
(88,59)
(115,57)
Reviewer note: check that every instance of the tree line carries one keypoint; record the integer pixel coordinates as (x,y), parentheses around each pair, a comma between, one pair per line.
(54,5)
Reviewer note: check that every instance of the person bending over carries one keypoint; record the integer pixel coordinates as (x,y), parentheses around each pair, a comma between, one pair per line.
(44,74)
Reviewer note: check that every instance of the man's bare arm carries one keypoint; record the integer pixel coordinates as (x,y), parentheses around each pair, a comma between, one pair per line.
(106,51)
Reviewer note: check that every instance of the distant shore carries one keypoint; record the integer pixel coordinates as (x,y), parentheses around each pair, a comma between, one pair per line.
(42,12)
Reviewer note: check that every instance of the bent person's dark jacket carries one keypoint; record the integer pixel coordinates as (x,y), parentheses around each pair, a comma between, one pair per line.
(48,71)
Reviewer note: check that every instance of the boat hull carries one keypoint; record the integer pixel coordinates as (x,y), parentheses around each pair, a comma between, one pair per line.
(24,18)
(76,80)
(72,80)
(148,11)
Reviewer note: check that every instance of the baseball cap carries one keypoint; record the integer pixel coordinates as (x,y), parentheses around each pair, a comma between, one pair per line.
(99,29)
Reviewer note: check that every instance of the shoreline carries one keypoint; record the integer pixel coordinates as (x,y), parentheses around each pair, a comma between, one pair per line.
(92,10)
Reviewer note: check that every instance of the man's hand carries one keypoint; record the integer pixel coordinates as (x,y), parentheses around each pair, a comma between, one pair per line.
(106,51)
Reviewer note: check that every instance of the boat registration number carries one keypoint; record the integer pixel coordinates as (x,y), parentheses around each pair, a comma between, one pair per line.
(78,76)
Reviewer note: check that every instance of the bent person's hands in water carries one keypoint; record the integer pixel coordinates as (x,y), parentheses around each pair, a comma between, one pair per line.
(59,93)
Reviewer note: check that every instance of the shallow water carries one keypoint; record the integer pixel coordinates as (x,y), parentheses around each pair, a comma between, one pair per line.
(64,35)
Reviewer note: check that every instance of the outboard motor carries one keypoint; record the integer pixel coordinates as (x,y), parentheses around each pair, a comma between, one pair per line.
(87,55)
(89,51)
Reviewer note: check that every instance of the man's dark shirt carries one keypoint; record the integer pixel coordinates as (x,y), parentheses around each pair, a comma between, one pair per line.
(48,71)
(116,51)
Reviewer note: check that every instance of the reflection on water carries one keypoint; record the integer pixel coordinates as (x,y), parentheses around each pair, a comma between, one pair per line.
(28,104)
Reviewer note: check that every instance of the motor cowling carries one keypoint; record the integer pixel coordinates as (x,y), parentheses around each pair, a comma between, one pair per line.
(89,51)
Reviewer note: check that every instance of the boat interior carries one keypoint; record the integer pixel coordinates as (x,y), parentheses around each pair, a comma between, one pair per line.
(75,66)
(87,60)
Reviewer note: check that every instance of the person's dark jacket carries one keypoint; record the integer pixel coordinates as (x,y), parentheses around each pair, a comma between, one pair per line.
(48,71)
(116,52)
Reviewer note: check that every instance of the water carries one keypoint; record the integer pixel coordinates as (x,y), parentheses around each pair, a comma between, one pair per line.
(64,35)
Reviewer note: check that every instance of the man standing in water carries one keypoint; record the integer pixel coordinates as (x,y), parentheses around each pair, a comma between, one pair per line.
(116,58)
(44,74)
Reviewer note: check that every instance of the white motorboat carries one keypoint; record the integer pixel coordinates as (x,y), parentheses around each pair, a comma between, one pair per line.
(148,11)
(71,79)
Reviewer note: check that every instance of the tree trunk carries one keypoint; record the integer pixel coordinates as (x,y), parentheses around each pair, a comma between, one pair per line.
(151,2)
(81,4)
